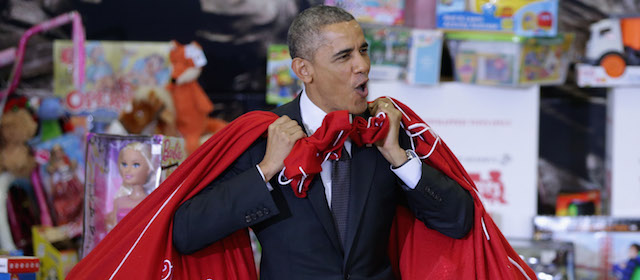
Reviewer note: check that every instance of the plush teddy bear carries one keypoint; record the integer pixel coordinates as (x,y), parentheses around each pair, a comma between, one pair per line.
(16,127)
(151,112)
(191,102)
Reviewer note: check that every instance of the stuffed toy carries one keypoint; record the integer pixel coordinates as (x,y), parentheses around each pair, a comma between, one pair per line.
(17,126)
(52,118)
(151,112)
(191,102)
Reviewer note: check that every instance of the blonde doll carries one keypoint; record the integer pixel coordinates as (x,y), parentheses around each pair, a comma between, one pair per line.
(135,168)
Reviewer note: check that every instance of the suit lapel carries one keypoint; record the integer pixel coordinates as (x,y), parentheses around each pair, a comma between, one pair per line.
(363,165)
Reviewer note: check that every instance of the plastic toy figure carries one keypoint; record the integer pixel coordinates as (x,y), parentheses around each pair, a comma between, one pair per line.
(135,168)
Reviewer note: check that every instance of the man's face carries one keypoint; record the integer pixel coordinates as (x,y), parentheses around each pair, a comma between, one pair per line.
(340,69)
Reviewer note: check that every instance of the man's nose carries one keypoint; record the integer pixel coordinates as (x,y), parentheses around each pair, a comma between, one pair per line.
(361,63)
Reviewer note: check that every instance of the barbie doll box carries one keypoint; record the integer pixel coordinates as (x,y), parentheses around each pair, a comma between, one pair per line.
(120,172)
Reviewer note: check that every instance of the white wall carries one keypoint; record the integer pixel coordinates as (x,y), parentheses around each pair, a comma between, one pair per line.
(489,129)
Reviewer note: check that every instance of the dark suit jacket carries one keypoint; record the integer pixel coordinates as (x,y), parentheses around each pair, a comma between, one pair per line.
(298,236)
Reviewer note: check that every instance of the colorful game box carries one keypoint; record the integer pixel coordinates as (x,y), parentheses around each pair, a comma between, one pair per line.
(579,204)
(508,60)
(114,71)
(121,172)
(388,12)
(388,51)
(282,83)
(425,57)
(520,17)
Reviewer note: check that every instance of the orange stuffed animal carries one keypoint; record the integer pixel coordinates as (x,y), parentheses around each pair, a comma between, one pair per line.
(191,103)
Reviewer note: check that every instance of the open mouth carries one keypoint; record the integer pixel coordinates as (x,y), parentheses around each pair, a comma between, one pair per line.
(361,89)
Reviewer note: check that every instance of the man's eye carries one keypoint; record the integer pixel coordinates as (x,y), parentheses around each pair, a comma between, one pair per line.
(344,56)
(365,50)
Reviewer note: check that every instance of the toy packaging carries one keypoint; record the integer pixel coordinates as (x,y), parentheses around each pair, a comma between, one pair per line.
(55,262)
(18,268)
(388,51)
(425,57)
(113,69)
(388,12)
(601,243)
(282,83)
(61,173)
(507,60)
(520,17)
(121,172)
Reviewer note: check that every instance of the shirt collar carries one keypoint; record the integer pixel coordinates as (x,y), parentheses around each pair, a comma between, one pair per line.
(312,117)
(311,114)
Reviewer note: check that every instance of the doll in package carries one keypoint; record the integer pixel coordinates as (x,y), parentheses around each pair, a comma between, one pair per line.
(121,172)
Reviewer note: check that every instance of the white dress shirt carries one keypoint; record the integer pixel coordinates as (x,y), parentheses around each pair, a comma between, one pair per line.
(312,117)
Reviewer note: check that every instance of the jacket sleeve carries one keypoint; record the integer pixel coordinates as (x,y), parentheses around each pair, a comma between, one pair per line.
(440,202)
(237,199)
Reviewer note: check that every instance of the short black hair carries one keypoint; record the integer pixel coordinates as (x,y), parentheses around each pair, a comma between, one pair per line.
(303,36)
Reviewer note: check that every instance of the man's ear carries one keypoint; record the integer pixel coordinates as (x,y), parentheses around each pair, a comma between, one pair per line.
(303,69)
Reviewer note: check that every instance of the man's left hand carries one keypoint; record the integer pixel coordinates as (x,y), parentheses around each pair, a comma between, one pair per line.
(389,146)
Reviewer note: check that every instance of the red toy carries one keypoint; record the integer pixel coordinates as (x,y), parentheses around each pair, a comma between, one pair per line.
(191,102)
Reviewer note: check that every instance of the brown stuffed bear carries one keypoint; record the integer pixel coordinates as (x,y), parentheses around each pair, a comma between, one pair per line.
(16,127)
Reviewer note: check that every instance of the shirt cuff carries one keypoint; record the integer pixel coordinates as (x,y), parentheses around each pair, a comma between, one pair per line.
(410,172)
(263,178)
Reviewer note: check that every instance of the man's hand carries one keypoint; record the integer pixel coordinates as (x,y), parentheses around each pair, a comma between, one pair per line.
(389,146)
(282,135)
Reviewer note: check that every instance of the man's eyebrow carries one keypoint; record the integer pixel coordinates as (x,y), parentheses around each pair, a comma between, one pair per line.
(342,52)
(349,50)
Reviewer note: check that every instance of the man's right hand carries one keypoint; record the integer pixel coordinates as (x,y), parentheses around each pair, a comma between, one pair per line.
(282,135)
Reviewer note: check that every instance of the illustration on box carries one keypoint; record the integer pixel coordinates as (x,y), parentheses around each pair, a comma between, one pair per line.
(502,59)
(61,173)
(520,17)
(388,51)
(282,83)
(114,71)
(387,12)
(121,172)
(546,60)
(612,53)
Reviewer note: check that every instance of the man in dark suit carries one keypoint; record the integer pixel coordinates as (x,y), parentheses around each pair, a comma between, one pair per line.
(341,229)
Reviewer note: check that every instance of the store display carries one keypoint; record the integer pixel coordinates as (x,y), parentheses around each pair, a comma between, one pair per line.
(121,172)
(389,12)
(507,60)
(600,242)
(191,102)
(282,83)
(520,17)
